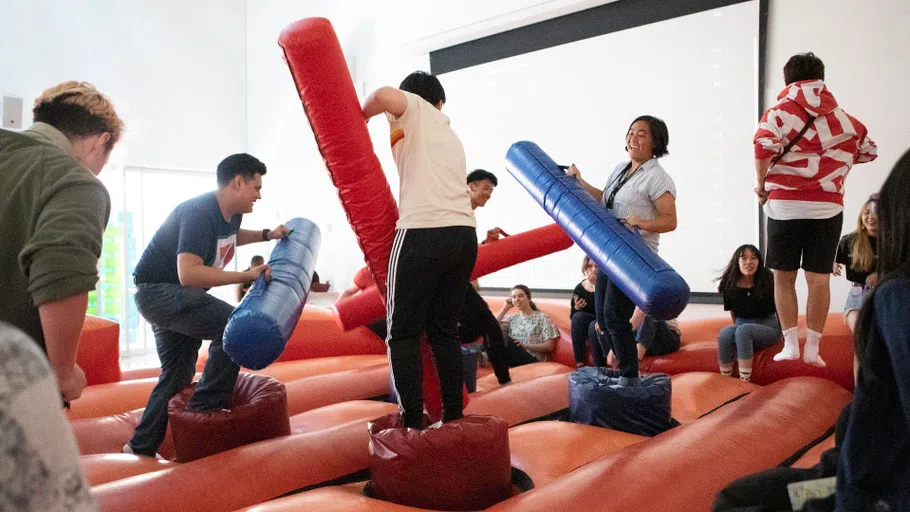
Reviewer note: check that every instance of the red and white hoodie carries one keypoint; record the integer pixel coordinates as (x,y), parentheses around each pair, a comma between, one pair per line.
(808,182)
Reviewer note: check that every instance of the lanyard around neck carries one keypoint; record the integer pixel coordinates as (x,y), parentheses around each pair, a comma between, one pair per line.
(620,181)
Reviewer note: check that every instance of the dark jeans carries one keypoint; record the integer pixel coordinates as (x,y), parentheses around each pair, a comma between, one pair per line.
(181,317)
(477,320)
(582,331)
(614,310)
(657,337)
(429,270)
(516,355)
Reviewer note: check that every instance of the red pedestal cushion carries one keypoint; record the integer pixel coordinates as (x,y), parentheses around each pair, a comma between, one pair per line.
(259,411)
(462,465)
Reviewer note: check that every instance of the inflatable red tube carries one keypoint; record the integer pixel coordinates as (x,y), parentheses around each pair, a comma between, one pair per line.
(317,64)
(367,305)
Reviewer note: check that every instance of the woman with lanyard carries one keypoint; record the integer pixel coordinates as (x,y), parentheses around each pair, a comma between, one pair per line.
(642,196)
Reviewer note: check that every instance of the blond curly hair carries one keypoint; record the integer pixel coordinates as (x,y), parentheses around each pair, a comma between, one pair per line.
(78,109)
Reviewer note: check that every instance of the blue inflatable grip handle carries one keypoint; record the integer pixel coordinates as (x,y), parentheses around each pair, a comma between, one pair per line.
(258,329)
(638,271)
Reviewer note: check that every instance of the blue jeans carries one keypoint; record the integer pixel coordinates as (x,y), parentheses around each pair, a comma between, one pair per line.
(745,336)
(614,310)
(181,317)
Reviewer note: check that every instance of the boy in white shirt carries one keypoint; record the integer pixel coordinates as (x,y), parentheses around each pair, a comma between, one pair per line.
(434,249)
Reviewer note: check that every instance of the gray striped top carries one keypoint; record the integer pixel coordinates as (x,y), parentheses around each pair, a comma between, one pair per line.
(637,196)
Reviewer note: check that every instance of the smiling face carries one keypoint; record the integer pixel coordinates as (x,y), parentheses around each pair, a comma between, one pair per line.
(247,192)
(480,192)
(869,218)
(520,299)
(640,142)
(748,263)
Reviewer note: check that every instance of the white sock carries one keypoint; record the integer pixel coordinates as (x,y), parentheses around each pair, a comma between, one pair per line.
(791,346)
(811,356)
(745,373)
(726,369)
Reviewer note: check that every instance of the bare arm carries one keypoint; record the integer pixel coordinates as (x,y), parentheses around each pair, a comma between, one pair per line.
(193,272)
(666,216)
(637,318)
(61,322)
(544,348)
(595,192)
(385,99)
(506,306)
(247,236)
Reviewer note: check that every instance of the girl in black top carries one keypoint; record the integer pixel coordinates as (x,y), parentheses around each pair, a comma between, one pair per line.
(583,318)
(747,287)
(857,252)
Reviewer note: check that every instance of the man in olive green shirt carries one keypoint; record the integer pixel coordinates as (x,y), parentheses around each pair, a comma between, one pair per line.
(53,211)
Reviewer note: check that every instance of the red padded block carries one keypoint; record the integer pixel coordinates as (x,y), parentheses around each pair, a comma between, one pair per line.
(367,305)
(317,64)
(462,465)
(259,411)
(99,350)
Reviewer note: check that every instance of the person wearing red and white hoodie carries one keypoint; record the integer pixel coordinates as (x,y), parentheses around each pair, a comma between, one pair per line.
(804,148)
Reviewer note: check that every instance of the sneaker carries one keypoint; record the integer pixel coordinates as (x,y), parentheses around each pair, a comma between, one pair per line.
(129,449)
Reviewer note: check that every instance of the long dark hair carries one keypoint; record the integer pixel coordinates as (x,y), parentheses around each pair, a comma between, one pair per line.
(528,293)
(893,247)
(764,279)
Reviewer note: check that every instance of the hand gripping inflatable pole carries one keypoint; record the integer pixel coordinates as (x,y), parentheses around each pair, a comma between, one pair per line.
(323,81)
(367,305)
(259,328)
(640,273)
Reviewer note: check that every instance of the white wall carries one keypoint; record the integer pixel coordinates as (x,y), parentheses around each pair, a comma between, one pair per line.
(175,70)
(867,68)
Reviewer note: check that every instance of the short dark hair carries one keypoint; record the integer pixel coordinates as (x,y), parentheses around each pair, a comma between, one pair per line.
(659,133)
(425,85)
(239,164)
(480,175)
(803,66)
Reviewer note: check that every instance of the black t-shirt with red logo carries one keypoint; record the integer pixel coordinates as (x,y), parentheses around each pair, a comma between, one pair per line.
(197,227)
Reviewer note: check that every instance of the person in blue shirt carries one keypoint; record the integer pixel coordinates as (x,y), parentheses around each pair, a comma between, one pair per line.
(874,466)
(186,257)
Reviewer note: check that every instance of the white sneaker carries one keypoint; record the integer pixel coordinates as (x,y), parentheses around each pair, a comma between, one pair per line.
(129,449)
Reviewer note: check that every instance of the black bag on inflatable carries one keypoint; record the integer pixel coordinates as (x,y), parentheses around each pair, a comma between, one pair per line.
(596,398)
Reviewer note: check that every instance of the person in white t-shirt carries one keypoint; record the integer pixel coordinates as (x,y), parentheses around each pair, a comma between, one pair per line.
(434,249)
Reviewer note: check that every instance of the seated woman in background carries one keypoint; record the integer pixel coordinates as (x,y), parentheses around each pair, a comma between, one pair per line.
(530,334)
(857,252)
(747,287)
(652,337)
(581,313)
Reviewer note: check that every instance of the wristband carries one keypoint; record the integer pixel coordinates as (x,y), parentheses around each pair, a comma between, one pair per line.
(265,235)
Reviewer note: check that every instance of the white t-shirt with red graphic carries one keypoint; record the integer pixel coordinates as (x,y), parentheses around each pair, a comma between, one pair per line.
(432,168)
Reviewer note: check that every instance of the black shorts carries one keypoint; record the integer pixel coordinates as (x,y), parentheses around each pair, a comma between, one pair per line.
(810,241)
